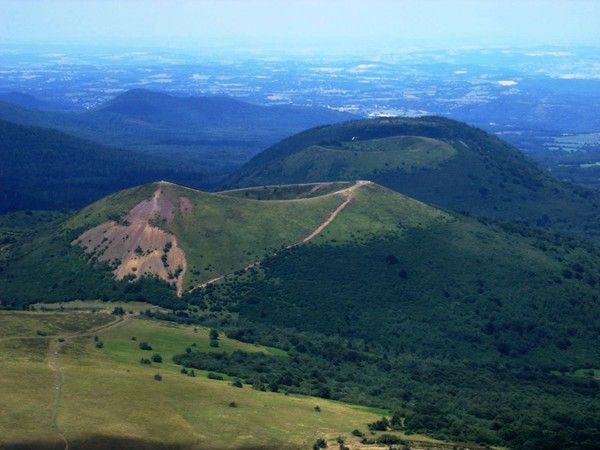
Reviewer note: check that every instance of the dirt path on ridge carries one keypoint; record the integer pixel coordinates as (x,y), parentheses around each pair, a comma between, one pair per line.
(348,192)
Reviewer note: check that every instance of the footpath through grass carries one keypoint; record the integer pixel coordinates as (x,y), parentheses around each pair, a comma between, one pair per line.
(108,398)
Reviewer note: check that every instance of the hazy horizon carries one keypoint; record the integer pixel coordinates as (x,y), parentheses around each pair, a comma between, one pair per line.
(307,25)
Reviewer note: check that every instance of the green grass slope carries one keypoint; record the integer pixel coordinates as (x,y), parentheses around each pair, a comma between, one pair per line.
(217,233)
(435,160)
(71,392)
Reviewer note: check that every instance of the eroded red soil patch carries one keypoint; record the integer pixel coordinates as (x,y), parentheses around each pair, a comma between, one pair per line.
(136,246)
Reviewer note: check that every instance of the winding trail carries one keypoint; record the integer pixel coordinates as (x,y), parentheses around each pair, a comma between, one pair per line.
(348,192)
(54,349)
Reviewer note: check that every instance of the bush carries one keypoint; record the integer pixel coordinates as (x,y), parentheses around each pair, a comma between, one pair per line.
(99,344)
(213,376)
(118,311)
(389,439)
(357,433)
(157,358)
(145,361)
(380,425)
(319,444)
(145,346)
(214,343)
(237,383)
(158,377)
(214,335)
(233,405)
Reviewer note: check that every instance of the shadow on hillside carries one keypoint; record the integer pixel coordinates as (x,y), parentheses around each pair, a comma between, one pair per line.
(100,442)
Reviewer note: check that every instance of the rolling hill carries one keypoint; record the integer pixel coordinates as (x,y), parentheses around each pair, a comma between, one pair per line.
(47,169)
(453,323)
(435,160)
(210,135)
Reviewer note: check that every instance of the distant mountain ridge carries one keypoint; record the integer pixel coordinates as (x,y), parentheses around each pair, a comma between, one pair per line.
(30,101)
(181,111)
(209,135)
(47,169)
(162,112)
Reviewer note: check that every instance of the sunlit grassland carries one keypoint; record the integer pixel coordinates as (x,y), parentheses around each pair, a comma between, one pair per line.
(108,393)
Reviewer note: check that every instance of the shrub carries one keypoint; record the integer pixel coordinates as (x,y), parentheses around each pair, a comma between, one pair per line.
(145,361)
(158,377)
(157,358)
(232,404)
(357,433)
(396,421)
(389,439)
(214,343)
(99,344)
(237,383)
(380,425)
(214,335)
(118,311)
(145,346)
(317,408)
(319,444)
(213,376)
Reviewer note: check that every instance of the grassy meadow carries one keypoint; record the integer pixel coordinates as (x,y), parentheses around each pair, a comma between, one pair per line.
(104,397)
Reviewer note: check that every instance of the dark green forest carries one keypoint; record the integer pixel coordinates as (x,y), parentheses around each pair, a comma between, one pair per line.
(477,348)
(47,169)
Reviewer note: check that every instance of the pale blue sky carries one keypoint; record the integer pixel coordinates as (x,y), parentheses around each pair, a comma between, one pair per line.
(330,22)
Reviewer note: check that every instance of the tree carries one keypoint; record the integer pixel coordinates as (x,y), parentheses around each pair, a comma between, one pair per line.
(157,358)
(145,346)
(237,383)
(214,335)
(319,444)
(380,425)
